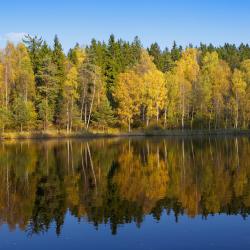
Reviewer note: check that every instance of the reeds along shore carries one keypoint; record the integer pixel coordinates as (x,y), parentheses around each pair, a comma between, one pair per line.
(50,134)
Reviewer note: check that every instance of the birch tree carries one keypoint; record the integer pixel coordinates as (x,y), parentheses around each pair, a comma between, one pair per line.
(239,92)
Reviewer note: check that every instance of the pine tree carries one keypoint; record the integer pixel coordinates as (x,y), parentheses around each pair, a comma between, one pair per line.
(47,91)
(59,60)
(24,114)
(176,52)
(156,53)
(103,116)
(34,46)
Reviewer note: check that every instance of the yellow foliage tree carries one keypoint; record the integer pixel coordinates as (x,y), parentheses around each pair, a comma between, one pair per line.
(70,95)
(25,80)
(141,91)
(239,93)
(214,86)
(127,95)
(183,77)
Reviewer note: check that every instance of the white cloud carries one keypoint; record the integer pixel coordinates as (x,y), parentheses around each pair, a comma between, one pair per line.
(14,36)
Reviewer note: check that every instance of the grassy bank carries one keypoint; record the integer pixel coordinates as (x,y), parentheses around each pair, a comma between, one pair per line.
(196,132)
(116,133)
(53,134)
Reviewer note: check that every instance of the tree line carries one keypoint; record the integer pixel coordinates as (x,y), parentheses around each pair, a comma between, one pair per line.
(122,85)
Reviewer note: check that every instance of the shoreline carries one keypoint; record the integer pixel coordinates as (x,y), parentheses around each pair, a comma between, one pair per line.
(139,133)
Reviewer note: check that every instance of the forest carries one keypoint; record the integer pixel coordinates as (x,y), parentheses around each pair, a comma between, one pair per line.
(122,85)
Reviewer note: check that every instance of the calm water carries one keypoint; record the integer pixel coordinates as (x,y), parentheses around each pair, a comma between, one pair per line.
(156,193)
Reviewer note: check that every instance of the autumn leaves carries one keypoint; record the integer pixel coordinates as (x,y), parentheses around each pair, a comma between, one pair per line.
(200,91)
(122,85)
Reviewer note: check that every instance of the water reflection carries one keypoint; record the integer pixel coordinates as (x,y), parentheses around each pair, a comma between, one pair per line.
(121,181)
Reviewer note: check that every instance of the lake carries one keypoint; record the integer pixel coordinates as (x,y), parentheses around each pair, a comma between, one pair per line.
(128,193)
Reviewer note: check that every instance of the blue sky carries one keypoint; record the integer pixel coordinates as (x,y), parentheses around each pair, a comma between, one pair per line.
(186,21)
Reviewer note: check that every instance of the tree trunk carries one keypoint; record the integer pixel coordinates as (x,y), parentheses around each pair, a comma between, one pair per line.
(71,119)
(157,114)
(237,116)
(244,120)
(183,107)
(182,121)
(183,113)
(83,104)
(26,92)
(85,114)
(6,86)
(165,118)
(143,114)
(67,117)
(91,106)
(46,110)
(209,122)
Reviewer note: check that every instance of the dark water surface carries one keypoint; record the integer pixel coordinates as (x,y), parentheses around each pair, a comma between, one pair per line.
(151,193)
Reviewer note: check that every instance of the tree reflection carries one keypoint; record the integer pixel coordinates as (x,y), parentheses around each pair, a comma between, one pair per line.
(121,181)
